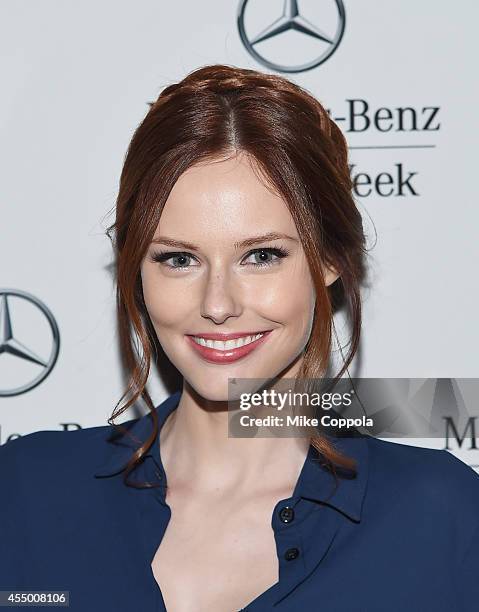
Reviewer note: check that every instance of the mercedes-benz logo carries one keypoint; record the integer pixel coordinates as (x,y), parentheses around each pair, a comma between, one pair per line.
(26,310)
(291,19)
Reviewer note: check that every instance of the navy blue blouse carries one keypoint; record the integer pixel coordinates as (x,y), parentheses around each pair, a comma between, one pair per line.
(401,536)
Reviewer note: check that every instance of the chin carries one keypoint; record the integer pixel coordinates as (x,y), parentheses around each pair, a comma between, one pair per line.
(211,392)
(215,384)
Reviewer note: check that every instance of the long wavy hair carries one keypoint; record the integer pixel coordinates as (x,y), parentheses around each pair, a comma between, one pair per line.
(214,112)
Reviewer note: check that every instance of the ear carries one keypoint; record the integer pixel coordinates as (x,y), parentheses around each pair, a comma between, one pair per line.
(330,275)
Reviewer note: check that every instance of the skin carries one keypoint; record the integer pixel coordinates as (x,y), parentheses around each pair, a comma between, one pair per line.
(220,289)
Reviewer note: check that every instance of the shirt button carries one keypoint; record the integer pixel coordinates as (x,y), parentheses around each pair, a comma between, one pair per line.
(286,514)
(291,554)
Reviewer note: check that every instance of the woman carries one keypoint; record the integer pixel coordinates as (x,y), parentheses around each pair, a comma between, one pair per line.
(235,219)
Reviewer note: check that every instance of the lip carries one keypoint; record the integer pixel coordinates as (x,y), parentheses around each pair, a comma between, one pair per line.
(216,356)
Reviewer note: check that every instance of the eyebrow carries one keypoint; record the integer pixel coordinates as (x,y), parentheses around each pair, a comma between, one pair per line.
(237,245)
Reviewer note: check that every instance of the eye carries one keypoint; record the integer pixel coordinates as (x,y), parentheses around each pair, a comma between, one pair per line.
(264,256)
(181,259)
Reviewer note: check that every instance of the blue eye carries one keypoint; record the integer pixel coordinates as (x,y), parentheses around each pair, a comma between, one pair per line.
(163,256)
(182,258)
(278,253)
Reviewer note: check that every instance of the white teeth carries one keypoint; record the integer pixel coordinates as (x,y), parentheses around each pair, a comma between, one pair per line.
(227,345)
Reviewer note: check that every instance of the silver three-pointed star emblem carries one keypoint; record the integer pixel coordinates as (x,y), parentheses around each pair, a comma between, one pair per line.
(33,319)
(292,19)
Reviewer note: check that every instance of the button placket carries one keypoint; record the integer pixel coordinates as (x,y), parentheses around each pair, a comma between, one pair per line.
(286,522)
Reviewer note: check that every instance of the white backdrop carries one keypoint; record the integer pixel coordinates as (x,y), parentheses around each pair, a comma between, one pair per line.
(76,81)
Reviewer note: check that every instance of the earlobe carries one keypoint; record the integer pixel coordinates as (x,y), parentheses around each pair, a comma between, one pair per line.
(330,275)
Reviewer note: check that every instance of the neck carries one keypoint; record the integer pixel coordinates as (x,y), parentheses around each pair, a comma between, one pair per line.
(196,451)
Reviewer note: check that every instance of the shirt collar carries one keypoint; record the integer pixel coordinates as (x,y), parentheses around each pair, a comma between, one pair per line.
(318,484)
(315,482)
(121,447)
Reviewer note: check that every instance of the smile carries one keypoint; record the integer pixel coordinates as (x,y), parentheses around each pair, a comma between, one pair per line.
(229,349)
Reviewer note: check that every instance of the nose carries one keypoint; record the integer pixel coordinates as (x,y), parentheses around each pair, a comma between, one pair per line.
(220,299)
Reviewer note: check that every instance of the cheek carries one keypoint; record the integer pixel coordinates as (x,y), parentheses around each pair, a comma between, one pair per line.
(298,317)
(166,300)
(288,299)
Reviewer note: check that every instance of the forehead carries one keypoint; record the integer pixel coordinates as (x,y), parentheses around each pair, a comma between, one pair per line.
(227,197)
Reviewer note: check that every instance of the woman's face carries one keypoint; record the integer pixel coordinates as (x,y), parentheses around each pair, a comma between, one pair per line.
(206,282)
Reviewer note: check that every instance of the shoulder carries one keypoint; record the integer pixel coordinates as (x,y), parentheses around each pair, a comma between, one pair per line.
(49,440)
(433,480)
(49,455)
(407,460)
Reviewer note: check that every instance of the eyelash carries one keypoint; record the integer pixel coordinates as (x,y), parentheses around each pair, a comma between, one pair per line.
(163,256)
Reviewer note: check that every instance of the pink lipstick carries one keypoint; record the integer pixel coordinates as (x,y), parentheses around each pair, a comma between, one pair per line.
(211,346)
